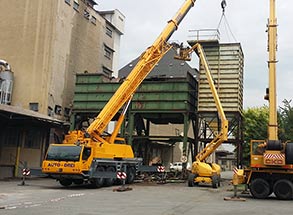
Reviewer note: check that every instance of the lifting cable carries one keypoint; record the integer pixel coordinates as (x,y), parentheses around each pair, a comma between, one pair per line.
(227,26)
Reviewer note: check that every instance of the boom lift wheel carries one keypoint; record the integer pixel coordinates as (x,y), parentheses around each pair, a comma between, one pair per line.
(283,189)
(215,181)
(259,188)
(191,178)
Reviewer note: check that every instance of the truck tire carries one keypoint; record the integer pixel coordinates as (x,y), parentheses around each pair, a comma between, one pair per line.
(289,153)
(191,178)
(78,181)
(98,182)
(215,181)
(219,180)
(65,182)
(130,175)
(283,189)
(109,181)
(259,188)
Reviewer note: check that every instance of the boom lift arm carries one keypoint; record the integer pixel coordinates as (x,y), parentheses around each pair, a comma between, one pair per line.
(223,135)
(202,171)
(144,66)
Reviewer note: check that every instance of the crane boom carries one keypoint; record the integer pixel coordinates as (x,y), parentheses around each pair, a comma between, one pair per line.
(272,47)
(144,66)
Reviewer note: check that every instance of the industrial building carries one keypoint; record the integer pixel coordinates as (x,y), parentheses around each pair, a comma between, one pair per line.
(174,103)
(162,111)
(46,43)
(63,55)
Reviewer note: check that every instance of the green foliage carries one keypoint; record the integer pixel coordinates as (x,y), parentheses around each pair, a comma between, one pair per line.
(286,121)
(255,127)
(256,123)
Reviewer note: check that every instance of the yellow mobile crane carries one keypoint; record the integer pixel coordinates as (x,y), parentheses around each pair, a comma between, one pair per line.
(203,172)
(271,162)
(93,157)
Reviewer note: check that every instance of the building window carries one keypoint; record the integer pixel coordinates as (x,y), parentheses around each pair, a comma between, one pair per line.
(107,71)
(108,52)
(93,20)
(75,5)
(50,111)
(34,106)
(86,14)
(109,31)
(58,109)
(67,2)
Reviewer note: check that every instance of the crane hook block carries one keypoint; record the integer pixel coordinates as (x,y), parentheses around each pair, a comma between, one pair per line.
(223,5)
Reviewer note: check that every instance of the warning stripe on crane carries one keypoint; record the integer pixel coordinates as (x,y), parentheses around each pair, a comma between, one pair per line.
(274,156)
(235,170)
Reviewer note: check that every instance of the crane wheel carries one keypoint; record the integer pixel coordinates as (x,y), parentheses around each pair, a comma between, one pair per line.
(130,175)
(191,178)
(65,182)
(78,181)
(98,182)
(259,188)
(109,181)
(283,189)
(289,153)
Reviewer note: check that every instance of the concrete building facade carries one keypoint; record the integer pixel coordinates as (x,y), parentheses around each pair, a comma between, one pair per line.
(46,43)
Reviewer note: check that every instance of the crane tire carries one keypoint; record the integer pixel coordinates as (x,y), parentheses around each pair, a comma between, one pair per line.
(65,182)
(130,175)
(109,181)
(259,188)
(98,182)
(78,181)
(283,189)
(289,153)
(274,145)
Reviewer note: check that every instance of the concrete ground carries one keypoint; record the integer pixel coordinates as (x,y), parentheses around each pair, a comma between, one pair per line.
(46,196)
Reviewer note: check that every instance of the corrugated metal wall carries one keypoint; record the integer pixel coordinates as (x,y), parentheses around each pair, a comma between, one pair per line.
(226,65)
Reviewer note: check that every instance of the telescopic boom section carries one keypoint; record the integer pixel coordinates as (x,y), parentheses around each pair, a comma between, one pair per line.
(272,40)
(223,135)
(144,66)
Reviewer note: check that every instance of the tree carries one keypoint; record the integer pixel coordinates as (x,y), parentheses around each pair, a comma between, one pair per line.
(286,121)
(255,127)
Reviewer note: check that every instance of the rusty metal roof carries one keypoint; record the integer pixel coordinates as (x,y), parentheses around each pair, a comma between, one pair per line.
(14,112)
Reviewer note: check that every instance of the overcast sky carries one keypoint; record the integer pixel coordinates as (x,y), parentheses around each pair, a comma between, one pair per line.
(247,19)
